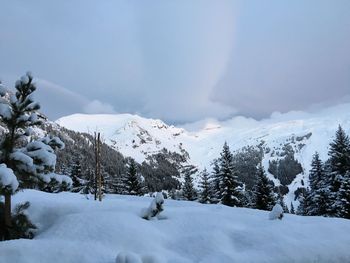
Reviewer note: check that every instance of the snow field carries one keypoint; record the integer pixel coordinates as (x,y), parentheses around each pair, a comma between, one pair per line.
(74,229)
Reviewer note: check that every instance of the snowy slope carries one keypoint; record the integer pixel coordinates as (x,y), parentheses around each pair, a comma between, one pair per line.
(129,134)
(74,229)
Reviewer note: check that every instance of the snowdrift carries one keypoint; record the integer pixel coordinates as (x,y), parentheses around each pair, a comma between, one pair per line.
(74,229)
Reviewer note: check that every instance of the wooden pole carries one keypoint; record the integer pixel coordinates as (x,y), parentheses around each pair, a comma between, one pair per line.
(99,167)
(96,168)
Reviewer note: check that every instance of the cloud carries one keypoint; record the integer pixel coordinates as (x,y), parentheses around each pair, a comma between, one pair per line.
(180,61)
(97,106)
(186,57)
(57,101)
(287,57)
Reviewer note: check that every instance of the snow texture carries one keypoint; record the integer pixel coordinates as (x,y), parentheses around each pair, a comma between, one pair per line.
(276,212)
(3,90)
(74,229)
(7,178)
(5,111)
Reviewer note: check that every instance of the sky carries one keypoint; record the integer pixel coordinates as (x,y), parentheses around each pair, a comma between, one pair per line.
(180,61)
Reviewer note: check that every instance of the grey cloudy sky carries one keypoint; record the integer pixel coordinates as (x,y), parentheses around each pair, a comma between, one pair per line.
(179,60)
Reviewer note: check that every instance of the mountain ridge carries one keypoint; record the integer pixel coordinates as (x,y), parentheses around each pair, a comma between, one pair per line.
(301,133)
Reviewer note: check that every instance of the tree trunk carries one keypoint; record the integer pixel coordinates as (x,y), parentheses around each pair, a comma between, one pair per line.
(7,216)
(96,168)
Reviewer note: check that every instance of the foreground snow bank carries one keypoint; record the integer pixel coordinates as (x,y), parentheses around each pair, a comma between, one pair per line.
(74,229)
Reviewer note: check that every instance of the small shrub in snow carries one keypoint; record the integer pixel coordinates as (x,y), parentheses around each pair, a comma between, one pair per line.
(155,208)
(127,257)
(276,212)
(151,259)
(22,227)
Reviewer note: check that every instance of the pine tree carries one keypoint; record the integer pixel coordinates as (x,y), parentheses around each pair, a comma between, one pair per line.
(76,176)
(304,203)
(339,164)
(318,192)
(343,202)
(205,193)
(264,195)
(230,187)
(32,162)
(292,210)
(339,152)
(189,193)
(17,113)
(316,173)
(133,185)
(283,204)
(215,182)
(88,187)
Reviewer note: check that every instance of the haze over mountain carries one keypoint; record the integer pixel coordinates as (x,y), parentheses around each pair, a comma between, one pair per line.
(180,61)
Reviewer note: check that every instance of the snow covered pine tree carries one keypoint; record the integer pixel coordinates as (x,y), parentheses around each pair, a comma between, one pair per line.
(205,195)
(32,163)
(339,153)
(132,182)
(189,193)
(264,197)
(230,187)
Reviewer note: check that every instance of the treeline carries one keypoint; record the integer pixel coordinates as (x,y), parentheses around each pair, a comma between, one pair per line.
(120,175)
(328,193)
(225,184)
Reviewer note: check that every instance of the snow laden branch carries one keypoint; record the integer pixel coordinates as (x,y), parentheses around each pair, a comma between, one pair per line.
(8,180)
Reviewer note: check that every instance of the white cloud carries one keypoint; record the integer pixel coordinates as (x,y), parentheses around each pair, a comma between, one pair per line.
(97,106)
(57,101)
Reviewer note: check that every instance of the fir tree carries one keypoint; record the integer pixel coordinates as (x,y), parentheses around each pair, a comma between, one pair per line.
(230,187)
(283,204)
(18,114)
(343,202)
(205,193)
(339,152)
(133,185)
(316,173)
(215,182)
(264,195)
(89,185)
(189,193)
(304,203)
(32,162)
(76,176)
(318,193)
(339,164)
(292,210)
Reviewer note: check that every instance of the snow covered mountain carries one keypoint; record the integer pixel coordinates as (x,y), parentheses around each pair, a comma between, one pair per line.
(139,137)
(303,132)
